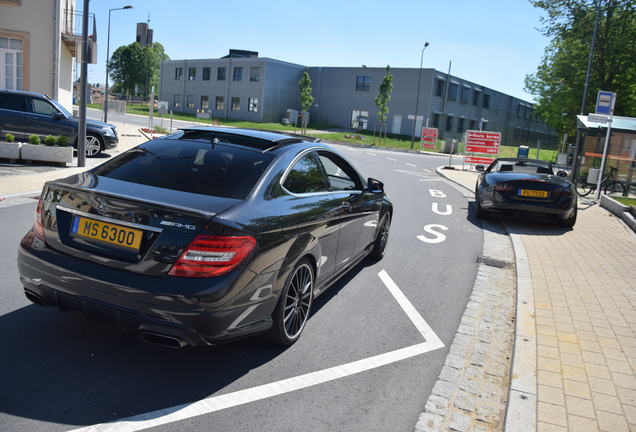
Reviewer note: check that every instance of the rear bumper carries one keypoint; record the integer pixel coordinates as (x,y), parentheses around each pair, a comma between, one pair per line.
(560,211)
(134,308)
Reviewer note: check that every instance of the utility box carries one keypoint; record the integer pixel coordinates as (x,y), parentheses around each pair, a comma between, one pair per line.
(448,146)
(523,151)
(592,175)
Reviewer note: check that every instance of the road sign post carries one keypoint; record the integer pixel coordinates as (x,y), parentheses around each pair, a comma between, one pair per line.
(604,105)
(483,144)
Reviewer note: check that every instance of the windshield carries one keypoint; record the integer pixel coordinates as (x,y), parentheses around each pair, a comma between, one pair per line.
(60,107)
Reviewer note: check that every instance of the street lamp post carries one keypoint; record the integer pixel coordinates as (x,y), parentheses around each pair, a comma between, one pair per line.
(417,97)
(107,56)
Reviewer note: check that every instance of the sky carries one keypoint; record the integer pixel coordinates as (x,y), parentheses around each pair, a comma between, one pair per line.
(492,43)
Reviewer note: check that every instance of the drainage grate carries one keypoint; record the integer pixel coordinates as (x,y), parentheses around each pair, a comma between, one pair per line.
(493,262)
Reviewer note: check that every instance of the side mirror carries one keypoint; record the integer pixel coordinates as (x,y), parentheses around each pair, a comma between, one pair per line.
(479,168)
(58,116)
(375,186)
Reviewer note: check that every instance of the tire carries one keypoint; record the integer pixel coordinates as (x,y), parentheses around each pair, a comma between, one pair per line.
(294,305)
(615,189)
(381,239)
(93,146)
(480,213)
(569,222)
(584,189)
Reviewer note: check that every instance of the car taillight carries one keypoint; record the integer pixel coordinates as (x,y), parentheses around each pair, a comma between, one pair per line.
(503,187)
(208,256)
(564,192)
(38,228)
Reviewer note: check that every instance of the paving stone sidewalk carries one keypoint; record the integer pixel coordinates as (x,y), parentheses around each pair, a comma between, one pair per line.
(585,302)
(18,178)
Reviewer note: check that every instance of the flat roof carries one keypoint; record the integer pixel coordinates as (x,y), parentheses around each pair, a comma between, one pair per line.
(618,122)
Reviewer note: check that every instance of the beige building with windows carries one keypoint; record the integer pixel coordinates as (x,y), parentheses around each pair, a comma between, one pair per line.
(37,46)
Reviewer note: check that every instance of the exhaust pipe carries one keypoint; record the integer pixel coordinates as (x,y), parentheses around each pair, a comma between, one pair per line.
(162,340)
(35,298)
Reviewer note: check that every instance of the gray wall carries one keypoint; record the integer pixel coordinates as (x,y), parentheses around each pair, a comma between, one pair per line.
(276,90)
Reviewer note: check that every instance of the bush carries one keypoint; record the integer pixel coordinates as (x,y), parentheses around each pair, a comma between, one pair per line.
(62,141)
(34,139)
(50,141)
(161,130)
(9,138)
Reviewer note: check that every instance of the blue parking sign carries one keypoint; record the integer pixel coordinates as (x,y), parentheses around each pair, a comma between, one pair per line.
(605,102)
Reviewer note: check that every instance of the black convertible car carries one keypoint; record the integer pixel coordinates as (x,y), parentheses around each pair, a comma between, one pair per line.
(204,236)
(525,186)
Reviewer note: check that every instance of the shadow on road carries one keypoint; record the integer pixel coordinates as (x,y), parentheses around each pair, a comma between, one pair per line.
(72,369)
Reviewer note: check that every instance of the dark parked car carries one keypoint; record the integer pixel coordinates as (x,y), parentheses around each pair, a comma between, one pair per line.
(205,235)
(24,113)
(528,186)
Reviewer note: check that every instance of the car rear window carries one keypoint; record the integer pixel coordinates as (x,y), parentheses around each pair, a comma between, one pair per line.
(200,167)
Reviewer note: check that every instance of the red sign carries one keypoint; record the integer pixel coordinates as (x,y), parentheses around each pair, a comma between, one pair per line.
(482,149)
(429,137)
(482,142)
(478,160)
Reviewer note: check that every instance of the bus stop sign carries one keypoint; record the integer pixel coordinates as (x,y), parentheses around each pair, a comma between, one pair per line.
(605,102)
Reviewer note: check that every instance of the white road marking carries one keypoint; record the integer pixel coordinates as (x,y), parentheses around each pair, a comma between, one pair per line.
(415,317)
(431,180)
(391,159)
(410,164)
(426,170)
(438,236)
(448,211)
(437,193)
(415,173)
(252,394)
(371,154)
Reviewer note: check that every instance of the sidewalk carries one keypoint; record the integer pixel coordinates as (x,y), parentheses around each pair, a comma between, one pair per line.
(584,289)
(30,181)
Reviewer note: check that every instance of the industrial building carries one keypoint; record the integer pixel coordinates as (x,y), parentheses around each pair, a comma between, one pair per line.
(244,86)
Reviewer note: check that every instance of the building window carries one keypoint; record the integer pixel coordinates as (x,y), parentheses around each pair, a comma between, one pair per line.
(11,71)
(473,125)
(359,119)
(440,85)
(252,104)
(236,104)
(177,101)
(237,74)
(220,74)
(192,74)
(449,123)
(520,111)
(255,74)
(190,101)
(205,103)
(178,74)
(363,83)
(436,120)
(452,91)
(206,74)
(476,94)
(486,101)
(461,125)
(220,103)
(464,95)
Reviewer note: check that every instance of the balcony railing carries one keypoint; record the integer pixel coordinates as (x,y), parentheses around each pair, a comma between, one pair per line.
(72,28)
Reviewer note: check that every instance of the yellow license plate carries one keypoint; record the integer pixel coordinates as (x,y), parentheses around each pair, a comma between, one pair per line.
(107,232)
(533,193)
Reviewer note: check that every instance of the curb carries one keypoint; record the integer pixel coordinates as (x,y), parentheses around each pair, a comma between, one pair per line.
(619,210)
(521,406)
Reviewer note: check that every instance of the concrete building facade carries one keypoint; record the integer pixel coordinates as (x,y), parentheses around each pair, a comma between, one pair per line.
(244,86)
(345,97)
(249,88)
(37,46)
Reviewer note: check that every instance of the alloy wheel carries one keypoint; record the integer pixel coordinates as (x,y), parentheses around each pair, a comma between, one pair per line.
(298,301)
(92,145)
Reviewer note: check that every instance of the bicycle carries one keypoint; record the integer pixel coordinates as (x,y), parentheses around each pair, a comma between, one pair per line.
(609,184)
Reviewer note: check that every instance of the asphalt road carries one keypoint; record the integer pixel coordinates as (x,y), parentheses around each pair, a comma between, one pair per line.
(62,371)
(137,120)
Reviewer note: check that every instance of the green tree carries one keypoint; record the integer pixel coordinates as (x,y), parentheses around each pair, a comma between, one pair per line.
(382,101)
(306,98)
(135,69)
(559,79)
